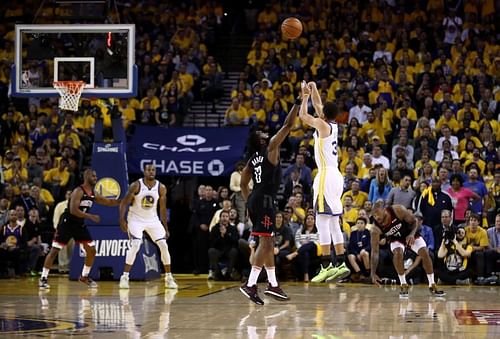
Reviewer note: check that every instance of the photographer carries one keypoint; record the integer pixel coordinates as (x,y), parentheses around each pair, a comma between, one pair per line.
(455,253)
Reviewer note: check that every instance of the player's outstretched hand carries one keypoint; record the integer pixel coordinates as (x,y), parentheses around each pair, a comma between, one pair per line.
(306,90)
(124,226)
(376,280)
(95,218)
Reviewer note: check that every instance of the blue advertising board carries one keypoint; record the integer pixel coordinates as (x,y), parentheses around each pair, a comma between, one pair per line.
(186,151)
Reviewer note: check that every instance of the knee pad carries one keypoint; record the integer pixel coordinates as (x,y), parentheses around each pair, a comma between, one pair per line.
(135,245)
(335,231)
(322,224)
(165,255)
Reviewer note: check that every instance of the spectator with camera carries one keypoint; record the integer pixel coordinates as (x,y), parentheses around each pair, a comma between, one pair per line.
(446,226)
(454,252)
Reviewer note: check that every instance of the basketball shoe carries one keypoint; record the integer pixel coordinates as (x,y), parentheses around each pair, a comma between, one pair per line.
(276,292)
(251,293)
(88,281)
(404,294)
(435,292)
(124,282)
(341,272)
(324,274)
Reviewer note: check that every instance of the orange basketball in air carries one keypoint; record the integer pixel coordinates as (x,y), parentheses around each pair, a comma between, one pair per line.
(291,28)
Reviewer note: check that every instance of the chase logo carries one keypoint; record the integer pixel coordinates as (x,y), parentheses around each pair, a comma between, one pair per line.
(147,202)
(191,140)
(108,188)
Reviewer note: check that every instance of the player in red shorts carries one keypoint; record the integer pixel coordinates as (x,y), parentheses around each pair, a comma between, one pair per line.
(397,225)
(264,168)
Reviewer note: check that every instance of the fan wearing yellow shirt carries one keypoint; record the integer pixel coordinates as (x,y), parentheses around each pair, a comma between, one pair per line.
(448,119)
(350,213)
(236,114)
(256,113)
(358,197)
(69,133)
(16,174)
(267,17)
(57,177)
(128,113)
(154,102)
(411,113)
(468,108)
(374,125)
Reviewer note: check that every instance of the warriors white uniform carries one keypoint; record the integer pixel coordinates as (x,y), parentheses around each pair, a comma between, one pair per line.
(143,215)
(329,182)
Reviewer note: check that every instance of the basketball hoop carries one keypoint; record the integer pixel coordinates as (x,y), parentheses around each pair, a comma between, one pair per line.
(70,92)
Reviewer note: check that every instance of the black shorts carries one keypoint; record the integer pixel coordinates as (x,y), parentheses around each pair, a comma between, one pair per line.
(262,214)
(67,230)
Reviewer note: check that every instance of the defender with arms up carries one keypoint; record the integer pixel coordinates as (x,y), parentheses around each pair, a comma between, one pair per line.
(264,168)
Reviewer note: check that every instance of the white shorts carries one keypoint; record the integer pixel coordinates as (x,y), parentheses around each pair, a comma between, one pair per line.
(417,245)
(154,228)
(327,188)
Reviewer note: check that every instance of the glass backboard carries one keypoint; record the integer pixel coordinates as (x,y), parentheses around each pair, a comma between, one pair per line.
(103,56)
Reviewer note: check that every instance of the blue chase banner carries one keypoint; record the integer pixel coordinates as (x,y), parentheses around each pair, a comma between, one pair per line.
(187,151)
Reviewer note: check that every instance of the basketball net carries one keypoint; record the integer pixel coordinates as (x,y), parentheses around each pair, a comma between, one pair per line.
(70,92)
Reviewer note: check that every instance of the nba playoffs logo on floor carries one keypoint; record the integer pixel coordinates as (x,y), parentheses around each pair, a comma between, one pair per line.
(108,187)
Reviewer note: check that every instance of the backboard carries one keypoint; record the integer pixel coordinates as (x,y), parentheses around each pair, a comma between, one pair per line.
(103,56)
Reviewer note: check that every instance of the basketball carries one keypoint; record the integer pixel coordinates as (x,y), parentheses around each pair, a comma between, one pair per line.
(291,28)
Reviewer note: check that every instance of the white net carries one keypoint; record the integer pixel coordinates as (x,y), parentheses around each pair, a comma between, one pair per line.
(70,92)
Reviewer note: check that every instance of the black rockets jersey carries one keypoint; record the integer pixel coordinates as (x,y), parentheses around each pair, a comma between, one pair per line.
(266,177)
(85,205)
(396,230)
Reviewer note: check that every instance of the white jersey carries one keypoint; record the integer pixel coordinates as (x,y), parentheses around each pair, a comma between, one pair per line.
(144,205)
(325,149)
(329,182)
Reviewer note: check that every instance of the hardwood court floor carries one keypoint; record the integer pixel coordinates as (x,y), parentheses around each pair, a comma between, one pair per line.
(201,309)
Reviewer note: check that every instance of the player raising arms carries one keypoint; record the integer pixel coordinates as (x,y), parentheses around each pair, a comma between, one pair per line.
(398,225)
(264,168)
(143,197)
(328,184)
(72,225)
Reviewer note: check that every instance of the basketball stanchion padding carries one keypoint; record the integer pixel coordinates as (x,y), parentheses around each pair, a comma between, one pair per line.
(70,92)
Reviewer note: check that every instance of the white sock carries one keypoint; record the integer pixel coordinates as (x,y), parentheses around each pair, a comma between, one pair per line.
(45,272)
(271,276)
(254,275)
(402,279)
(86,270)
(125,274)
(430,278)
(168,275)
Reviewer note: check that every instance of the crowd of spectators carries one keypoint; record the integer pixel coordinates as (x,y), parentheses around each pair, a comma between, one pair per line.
(43,149)
(417,85)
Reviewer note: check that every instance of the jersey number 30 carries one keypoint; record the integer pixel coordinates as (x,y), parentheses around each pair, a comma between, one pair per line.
(258,174)
(334,144)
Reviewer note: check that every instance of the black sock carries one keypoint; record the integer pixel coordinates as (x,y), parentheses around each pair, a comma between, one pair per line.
(326,260)
(340,259)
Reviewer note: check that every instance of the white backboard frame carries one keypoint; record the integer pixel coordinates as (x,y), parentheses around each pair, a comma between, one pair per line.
(90,60)
(132,72)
